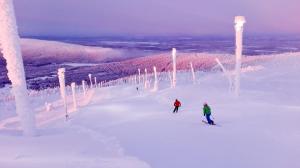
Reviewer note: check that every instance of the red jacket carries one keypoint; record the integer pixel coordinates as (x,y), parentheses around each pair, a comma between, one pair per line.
(177,103)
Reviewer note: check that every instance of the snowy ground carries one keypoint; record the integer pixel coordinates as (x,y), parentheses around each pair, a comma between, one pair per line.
(119,127)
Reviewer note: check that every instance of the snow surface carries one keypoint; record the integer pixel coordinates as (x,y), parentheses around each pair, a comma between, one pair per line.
(120,127)
(79,64)
(35,50)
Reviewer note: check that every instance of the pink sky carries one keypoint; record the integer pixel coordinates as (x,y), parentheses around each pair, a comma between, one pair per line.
(155,17)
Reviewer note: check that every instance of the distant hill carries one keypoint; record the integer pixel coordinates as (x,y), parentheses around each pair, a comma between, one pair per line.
(43,58)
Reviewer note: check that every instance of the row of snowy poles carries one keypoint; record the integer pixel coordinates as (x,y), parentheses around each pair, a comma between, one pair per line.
(133,79)
(139,78)
(62,86)
(61,77)
(9,40)
(45,92)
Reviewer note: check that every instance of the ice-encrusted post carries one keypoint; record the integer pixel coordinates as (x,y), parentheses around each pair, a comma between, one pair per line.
(9,42)
(239,26)
(146,79)
(83,88)
(95,79)
(73,86)
(174,67)
(139,71)
(155,79)
(91,82)
(193,73)
(62,86)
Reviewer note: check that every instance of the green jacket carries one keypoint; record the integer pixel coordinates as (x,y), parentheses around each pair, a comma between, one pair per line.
(206,110)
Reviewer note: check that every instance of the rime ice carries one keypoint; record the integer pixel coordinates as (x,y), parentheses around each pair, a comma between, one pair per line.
(73,86)
(155,79)
(62,85)
(174,66)
(239,23)
(9,40)
(193,72)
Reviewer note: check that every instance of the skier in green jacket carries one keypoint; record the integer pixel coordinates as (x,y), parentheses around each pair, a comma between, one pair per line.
(207,113)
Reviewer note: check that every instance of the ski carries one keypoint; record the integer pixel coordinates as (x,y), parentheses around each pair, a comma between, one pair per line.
(210,124)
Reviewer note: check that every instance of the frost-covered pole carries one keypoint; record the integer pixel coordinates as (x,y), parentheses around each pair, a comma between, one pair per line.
(95,79)
(193,72)
(83,88)
(174,66)
(146,79)
(155,79)
(62,86)
(135,80)
(9,41)
(73,86)
(91,83)
(239,23)
(139,71)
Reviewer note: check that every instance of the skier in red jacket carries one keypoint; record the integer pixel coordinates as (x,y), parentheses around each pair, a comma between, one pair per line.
(177,104)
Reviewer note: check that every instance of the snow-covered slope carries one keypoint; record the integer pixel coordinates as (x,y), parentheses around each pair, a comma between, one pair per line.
(42,51)
(122,127)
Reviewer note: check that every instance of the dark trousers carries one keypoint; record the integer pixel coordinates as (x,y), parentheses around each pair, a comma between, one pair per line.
(209,121)
(175,109)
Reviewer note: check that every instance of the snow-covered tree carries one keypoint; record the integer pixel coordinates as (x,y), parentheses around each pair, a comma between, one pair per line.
(170,78)
(83,88)
(193,73)
(174,66)
(91,82)
(95,79)
(139,71)
(10,46)
(73,86)
(146,79)
(239,26)
(155,79)
(227,74)
(62,86)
